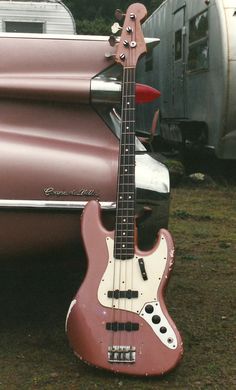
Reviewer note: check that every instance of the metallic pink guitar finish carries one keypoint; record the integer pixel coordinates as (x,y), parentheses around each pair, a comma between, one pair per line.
(118,320)
(154,346)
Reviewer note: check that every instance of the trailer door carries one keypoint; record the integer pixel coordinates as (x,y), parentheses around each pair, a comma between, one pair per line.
(178,64)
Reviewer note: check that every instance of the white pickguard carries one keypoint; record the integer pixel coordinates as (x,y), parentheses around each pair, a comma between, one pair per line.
(124,275)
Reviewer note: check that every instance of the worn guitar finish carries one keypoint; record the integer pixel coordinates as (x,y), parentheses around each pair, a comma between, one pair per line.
(118,319)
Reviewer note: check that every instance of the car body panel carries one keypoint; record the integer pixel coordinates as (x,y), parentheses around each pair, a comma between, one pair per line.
(58,150)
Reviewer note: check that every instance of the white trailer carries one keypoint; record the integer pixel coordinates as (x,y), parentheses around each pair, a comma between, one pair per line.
(194,66)
(37,16)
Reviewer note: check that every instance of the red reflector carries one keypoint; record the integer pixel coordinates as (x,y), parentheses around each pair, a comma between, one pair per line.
(145,93)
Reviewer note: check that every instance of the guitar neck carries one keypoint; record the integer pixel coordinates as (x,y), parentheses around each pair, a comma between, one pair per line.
(125,206)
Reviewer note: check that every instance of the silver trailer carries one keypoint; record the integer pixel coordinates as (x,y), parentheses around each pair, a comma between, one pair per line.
(194,67)
(38,16)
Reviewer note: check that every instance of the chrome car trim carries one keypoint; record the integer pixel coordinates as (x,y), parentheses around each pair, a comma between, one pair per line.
(151,174)
(51,204)
(105,91)
(151,42)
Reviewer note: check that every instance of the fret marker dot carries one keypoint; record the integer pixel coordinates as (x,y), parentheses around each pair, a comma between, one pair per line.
(123,233)
(126,149)
(126,170)
(124,220)
(123,246)
(127,128)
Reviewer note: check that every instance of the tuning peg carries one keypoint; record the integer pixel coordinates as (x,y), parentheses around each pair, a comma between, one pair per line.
(119,14)
(112,40)
(115,28)
(109,55)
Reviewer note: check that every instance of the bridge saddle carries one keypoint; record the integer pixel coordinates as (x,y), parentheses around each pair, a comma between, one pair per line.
(121,354)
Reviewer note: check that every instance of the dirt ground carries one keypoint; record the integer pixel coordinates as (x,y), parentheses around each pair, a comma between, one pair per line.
(36,293)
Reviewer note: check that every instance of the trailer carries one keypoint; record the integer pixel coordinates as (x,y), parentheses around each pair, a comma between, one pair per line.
(38,16)
(195,69)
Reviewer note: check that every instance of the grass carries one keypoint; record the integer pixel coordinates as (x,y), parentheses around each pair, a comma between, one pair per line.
(35,295)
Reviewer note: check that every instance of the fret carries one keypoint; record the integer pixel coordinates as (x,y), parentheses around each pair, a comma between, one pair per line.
(126,242)
(126,193)
(127,182)
(125,154)
(124,187)
(121,249)
(126,202)
(122,244)
(129,134)
(125,255)
(129,82)
(125,209)
(128,225)
(125,236)
(126,174)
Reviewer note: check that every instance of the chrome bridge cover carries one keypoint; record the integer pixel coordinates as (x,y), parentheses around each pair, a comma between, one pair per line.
(121,354)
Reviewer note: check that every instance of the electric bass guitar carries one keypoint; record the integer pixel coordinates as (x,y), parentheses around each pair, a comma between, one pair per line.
(118,319)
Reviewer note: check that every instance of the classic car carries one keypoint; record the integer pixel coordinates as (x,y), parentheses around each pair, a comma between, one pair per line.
(59,130)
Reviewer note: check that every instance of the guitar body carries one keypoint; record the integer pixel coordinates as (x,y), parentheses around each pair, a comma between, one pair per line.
(118,319)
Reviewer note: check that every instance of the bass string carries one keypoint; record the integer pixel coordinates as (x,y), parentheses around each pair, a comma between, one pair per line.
(117,267)
(129,127)
(132,134)
(126,195)
(125,189)
(128,214)
(127,141)
(131,141)
(128,190)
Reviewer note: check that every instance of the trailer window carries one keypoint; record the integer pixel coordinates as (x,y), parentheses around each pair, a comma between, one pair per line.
(198,42)
(178,45)
(149,61)
(24,27)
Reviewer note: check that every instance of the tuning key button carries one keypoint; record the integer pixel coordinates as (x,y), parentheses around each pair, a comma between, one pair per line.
(115,28)
(156,319)
(129,29)
(119,14)
(126,43)
(163,329)
(109,55)
(112,40)
(132,16)
(149,309)
(122,56)
(133,44)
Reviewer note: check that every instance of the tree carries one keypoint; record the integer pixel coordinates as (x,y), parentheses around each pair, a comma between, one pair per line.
(96,16)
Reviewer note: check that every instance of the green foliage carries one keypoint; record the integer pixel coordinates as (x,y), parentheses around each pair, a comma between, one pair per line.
(96,16)
(93,27)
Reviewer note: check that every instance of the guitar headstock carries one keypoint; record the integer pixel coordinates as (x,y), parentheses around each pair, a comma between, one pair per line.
(132,44)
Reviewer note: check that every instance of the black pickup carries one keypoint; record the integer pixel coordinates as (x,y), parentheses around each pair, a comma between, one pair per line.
(117,294)
(142,269)
(120,326)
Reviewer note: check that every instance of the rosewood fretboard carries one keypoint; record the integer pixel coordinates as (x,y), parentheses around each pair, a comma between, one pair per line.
(125,209)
